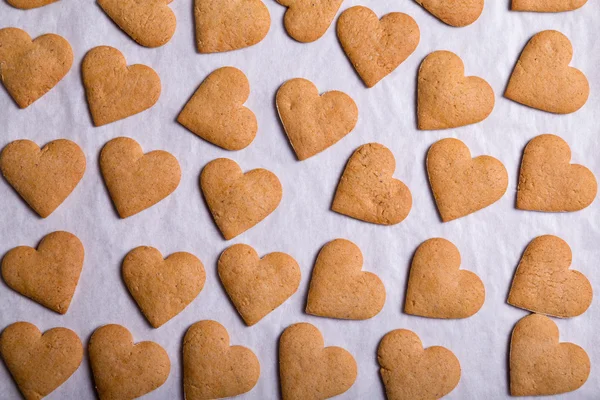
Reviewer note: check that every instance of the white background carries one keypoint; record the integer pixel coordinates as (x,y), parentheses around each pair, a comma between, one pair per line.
(491,241)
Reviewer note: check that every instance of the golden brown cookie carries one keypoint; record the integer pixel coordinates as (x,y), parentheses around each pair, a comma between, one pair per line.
(135,180)
(311,122)
(547,182)
(257,286)
(150,23)
(437,288)
(48,275)
(367,190)
(162,287)
(225,25)
(114,90)
(546,5)
(29,4)
(238,200)
(410,372)
(539,364)
(448,99)
(31,68)
(457,13)
(542,78)
(376,46)
(543,282)
(339,288)
(39,363)
(308,20)
(44,177)
(211,368)
(310,371)
(216,111)
(460,184)
(123,370)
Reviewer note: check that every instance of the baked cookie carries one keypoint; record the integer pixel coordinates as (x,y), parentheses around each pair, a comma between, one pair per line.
(546,5)
(29,4)
(307,20)
(457,13)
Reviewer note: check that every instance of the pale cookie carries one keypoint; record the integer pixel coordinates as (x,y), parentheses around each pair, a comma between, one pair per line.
(310,371)
(367,190)
(123,370)
(31,68)
(162,287)
(29,4)
(460,184)
(456,13)
(546,5)
(448,99)
(311,122)
(150,23)
(211,368)
(376,46)
(44,177)
(542,78)
(437,288)
(543,282)
(339,288)
(225,25)
(216,112)
(410,372)
(238,200)
(539,364)
(308,20)
(547,182)
(39,363)
(114,90)
(257,286)
(48,275)
(135,180)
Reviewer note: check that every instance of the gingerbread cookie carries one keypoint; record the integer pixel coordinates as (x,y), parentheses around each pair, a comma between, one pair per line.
(546,5)
(30,68)
(460,184)
(539,364)
(376,46)
(45,177)
(216,111)
(211,368)
(542,78)
(29,4)
(456,13)
(547,182)
(310,371)
(311,122)
(307,20)
(114,90)
(135,180)
(367,190)
(437,288)
(238,200)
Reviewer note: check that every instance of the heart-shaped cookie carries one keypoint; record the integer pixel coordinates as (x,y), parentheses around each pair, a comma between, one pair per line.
(31,68)
(448,99)
(339,288)
(162,287)
(135,180)
(211,368)
(225,25)
(48,275)
(29,4)
(123,370)
(150,23)
(539,364)
(543,282)
(216,111)
(547,182)
(308,20)
(460,184)
(437,288)
(546,5)
(257,286)
(40,363)
(368,192)
(410,372)
(45,177)
(376,46)
(542,78)
(457,13)
(114,90)
(237,200)
(311,122)
(308,370)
